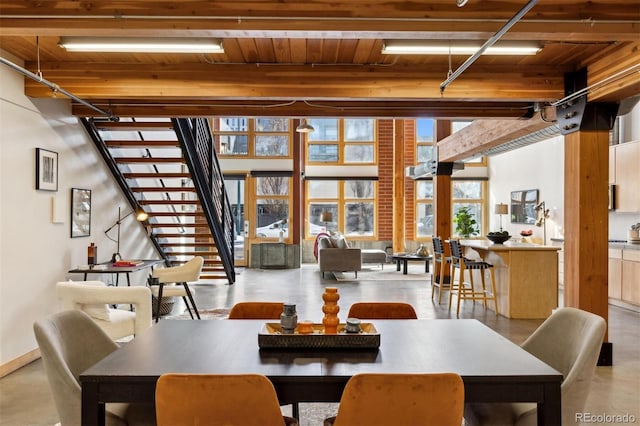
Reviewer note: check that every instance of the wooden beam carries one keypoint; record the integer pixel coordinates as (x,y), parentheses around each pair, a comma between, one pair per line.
(586,163)
(442,109)
(224,81)
(399,226)
(620,66)
(313,28)
(442,194)
(482,135)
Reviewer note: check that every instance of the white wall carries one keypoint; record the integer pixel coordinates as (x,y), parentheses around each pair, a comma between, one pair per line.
(34,252)
(538,166)
(541,166)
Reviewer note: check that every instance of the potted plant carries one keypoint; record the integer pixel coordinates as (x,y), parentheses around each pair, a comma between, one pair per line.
(465,223)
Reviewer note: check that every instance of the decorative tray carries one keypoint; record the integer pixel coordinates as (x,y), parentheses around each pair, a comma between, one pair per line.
(271,337)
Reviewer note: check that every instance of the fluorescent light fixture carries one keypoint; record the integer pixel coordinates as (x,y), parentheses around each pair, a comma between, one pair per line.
(139,44)
(458,47)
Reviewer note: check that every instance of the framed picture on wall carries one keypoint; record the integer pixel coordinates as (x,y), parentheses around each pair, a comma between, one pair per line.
(46,170)
(80,212)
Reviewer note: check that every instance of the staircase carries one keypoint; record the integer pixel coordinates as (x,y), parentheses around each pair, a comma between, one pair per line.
(168,168)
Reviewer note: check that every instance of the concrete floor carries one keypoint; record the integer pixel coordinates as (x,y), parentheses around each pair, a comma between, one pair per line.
(25,398)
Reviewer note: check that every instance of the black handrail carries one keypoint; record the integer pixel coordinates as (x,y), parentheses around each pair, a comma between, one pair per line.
(197,146)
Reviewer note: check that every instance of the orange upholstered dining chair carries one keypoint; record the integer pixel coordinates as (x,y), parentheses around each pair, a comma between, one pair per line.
(256,310)
(401,399)
(217,399)
(382,310)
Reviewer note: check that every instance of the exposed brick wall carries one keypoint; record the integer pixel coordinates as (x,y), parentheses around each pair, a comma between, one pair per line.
(409,186)
(385,179)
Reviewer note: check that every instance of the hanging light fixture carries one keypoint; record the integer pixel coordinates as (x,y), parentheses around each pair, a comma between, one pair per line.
(305,127)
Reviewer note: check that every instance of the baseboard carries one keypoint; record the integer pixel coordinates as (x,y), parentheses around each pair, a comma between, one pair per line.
(21,361)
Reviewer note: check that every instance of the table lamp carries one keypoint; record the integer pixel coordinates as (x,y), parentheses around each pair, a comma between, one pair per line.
(326,217)
(501,209)
(141,216)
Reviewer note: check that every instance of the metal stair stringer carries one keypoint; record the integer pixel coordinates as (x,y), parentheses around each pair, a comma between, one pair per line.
(196,141)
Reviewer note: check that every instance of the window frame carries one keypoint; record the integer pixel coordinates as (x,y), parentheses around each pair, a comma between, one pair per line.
(340,202)
(252,133)
(342,144)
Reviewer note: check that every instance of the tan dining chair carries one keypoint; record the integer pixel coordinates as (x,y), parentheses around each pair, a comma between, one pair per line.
(382,310)
(401,400)
(178,278)
(256,310)
(218,399)
(569,341)
(261,310)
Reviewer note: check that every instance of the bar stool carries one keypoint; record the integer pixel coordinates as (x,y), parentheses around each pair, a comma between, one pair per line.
(440,261)
(467,291)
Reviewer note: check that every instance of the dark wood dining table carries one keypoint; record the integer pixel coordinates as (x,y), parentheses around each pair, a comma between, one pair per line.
(493,368)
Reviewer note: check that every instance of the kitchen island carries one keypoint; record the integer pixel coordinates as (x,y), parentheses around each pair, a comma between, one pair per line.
(526,276)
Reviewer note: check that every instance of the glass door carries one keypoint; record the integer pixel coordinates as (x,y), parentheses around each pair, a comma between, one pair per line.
(235,192)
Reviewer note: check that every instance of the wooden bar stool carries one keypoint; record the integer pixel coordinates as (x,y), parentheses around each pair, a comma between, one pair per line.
(467,291)
(440,262)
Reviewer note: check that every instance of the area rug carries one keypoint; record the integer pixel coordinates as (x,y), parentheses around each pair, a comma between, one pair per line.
(208,314)
(389,273)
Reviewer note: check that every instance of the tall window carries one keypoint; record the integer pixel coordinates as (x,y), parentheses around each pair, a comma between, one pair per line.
(347,141)
(424,208)
(424,140)
(272,206)
(351,204)
(248,137)
(471,194)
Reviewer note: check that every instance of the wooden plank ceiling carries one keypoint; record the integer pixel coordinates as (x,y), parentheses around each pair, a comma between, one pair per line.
(323,57)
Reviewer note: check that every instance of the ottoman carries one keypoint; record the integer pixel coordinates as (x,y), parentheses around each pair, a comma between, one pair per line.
(373,256)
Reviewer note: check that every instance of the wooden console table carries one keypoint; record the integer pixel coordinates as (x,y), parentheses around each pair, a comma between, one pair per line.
(526,276)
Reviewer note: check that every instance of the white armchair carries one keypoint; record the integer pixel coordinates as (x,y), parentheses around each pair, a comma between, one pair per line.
(95,298)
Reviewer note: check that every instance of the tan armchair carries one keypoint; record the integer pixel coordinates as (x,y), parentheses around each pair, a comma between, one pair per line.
(95,299)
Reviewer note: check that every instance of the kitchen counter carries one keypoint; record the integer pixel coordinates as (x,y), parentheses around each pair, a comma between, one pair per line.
(614,244)
(526,276)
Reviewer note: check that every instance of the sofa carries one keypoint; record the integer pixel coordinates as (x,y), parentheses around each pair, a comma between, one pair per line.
(335,255)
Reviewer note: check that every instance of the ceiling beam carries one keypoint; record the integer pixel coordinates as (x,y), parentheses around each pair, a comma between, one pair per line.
(594,10)
(620,68)
(248,108)
(482,135)
(337,82)
(455,29)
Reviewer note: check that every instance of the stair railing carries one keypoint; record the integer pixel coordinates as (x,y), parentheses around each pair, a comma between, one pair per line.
(196,140)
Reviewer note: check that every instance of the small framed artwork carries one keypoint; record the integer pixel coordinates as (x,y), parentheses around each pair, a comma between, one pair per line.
(80,212)
(46,170)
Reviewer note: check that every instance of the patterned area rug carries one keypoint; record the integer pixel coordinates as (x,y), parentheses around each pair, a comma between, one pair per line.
(208,314)
(415,272)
